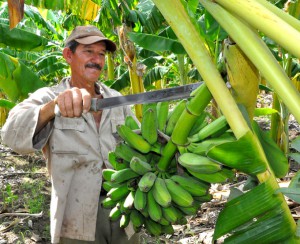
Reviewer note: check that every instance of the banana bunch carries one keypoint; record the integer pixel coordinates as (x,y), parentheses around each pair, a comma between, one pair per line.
(139,193)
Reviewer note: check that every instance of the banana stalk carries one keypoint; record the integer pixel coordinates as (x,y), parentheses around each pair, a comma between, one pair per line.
(134,74)
(110,66)
(258,16)
(256,50)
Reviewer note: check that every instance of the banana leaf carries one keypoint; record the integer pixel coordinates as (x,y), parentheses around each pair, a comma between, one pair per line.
(16,80)
(241,154)
(21,39)
(156,43)
(276,158)
(6,104)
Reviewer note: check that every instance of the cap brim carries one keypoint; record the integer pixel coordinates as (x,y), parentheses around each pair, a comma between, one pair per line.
(110,45)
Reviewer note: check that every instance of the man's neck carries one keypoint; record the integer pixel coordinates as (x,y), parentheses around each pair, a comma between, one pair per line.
(89,86)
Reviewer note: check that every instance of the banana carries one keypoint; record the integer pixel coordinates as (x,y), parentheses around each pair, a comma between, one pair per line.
(163,221)
(162,109)
(153,227)
(206,198)
(118,163)
(198,163)
(125,152)
(108,203)
(139,166)
(118,193)
(161,193)
(179,196)
(202,147)
(129,200)
(218,177)
(115,213)
(192,210)
(137,219)
(123,175)
(140,200)
(154,209)
(170,214)
(106,173)
(131,123)
(215,128)
(147,181)
(174,116)
(149,126)
(108,185)
(134,140)
(124,221)
(167,229)
(191,184)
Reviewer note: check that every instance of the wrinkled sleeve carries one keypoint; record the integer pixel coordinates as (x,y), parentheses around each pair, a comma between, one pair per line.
(19,128)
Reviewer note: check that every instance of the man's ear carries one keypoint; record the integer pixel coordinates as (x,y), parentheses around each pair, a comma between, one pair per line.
(67,54)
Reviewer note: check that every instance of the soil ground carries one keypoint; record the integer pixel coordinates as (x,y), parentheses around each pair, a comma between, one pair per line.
(24,205)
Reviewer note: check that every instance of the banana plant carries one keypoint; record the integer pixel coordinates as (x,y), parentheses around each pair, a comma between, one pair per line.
(274,221)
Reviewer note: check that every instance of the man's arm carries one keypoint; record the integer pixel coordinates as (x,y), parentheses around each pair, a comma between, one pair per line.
(46,114)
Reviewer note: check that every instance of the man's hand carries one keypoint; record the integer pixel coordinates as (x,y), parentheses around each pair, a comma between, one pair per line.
(73,102)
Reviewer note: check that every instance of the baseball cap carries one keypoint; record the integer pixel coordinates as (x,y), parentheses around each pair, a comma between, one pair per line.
(88,35)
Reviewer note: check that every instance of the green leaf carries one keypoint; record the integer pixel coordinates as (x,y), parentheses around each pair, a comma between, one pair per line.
(241,154)
(6,104)
(295,156)
(246,207)
(156,43)
(155,74)
(276,158)
(264,111)
(296,144)
(21,39)
(291,193)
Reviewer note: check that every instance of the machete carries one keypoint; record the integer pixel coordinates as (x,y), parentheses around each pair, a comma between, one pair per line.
(168,94)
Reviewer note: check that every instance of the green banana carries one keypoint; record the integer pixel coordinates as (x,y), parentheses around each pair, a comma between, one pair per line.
(202,147)
(131,123)
(215,128)
(170,214)
(191,184)
(124,151)
(218,177)
(174,116)
(124,221)
(137,219)
(167,229)
(129,200)
(161,193)
(206,198)
(192,210)
(198,163)
(162,109)
(149,126)
(115,213)
(123,175)
(108,185)
(134,140)
(179,196)
(118,163)
(164,221)
(140,199)
(108,203)
(152,227)
(139,166)
(154,209)
(147,181)
(106,173)
(118,193)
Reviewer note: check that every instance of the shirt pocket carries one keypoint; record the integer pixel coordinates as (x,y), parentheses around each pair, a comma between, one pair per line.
(69,136)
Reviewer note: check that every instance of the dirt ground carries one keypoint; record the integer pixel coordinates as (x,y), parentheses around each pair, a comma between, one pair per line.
(22,221)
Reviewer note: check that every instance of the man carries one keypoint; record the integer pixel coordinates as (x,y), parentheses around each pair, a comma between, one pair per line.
(76,143)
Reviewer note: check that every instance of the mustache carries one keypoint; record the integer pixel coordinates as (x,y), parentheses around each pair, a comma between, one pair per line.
(93,65)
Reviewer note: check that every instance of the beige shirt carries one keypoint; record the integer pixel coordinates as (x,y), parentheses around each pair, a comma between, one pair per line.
(75,152)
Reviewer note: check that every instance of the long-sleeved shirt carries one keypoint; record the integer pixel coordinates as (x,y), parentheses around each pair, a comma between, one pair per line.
(76,151)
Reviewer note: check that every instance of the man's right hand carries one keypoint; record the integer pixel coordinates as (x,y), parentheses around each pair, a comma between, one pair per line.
(73,102)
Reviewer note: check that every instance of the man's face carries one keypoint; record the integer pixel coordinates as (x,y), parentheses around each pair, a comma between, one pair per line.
(87,62)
